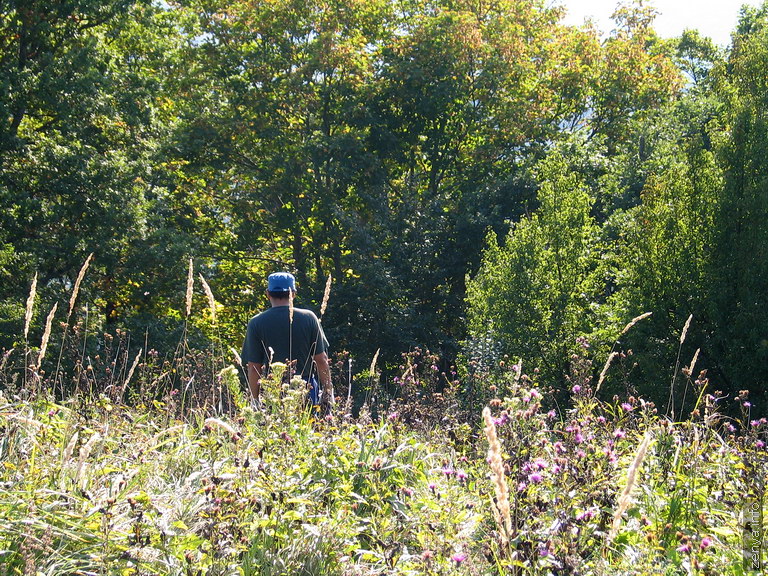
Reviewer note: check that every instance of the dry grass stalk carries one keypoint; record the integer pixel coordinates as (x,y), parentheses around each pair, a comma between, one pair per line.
(211,299)
(326,296)
(626,496)
(689,371)
(78,281)
(373,362)
(46,336)
(496,463)
(611,356)
(69,449)
(133,368)
(190,286)
(85,452)
(634,321)
(216,423)
(30,306)
(685,328)
(236,354)
(4,361)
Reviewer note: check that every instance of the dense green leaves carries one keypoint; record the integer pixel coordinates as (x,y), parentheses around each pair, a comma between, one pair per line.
(381,143)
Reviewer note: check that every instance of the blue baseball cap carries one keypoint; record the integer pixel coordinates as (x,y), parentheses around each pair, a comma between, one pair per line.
(281,282)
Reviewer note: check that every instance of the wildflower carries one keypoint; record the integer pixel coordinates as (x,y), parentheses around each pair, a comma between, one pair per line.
(586,515)
(705,543)
(535,478)
(543,550)
(459,557)
(578,439)
(392,416)
(576,389)
(432,487)
(684,548)
(407,491)
(427,555)
(551,414)
(627,407)
(461,476)
(619,433)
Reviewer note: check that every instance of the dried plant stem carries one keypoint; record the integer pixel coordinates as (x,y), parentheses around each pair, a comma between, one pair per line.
(496,462)
(190,287)
(611,356)
(211,299)
(30,306)
(326,296)
(373,362)
(133,368)
(671,401)
(46,336)
(78,281)
(72,300)
(625,499)
(634,321)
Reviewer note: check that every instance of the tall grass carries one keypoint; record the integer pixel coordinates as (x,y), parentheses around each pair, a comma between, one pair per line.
(148,474)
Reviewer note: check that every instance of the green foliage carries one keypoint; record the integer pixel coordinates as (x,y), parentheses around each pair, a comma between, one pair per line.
(539,291)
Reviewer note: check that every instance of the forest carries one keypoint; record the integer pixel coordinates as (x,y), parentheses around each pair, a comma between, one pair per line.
(470,174)
(561,228)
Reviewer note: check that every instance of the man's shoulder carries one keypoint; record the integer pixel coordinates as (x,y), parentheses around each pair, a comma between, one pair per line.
(305,313)
(265,315)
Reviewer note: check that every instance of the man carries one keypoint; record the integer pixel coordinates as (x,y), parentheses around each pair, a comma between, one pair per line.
(291,335)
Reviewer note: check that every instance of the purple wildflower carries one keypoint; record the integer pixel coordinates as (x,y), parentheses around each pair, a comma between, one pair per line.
(535,478)
(459,557)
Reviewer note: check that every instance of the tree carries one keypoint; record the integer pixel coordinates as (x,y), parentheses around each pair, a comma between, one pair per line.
(541,290)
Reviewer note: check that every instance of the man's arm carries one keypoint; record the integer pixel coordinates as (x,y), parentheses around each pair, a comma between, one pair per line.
(324,374)
(254,378)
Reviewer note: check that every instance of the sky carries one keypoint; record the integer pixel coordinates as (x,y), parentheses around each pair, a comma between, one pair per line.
(713,18)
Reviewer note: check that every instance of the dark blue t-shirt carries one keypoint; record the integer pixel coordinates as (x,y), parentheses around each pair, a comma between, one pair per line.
(298,340)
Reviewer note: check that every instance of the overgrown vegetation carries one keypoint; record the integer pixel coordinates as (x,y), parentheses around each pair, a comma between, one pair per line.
(549,297)
(165,466)
(412,152)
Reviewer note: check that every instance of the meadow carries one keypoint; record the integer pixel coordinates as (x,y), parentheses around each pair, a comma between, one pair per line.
(119,461)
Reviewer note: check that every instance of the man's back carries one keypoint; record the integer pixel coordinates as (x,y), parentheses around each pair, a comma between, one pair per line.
(298,339)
